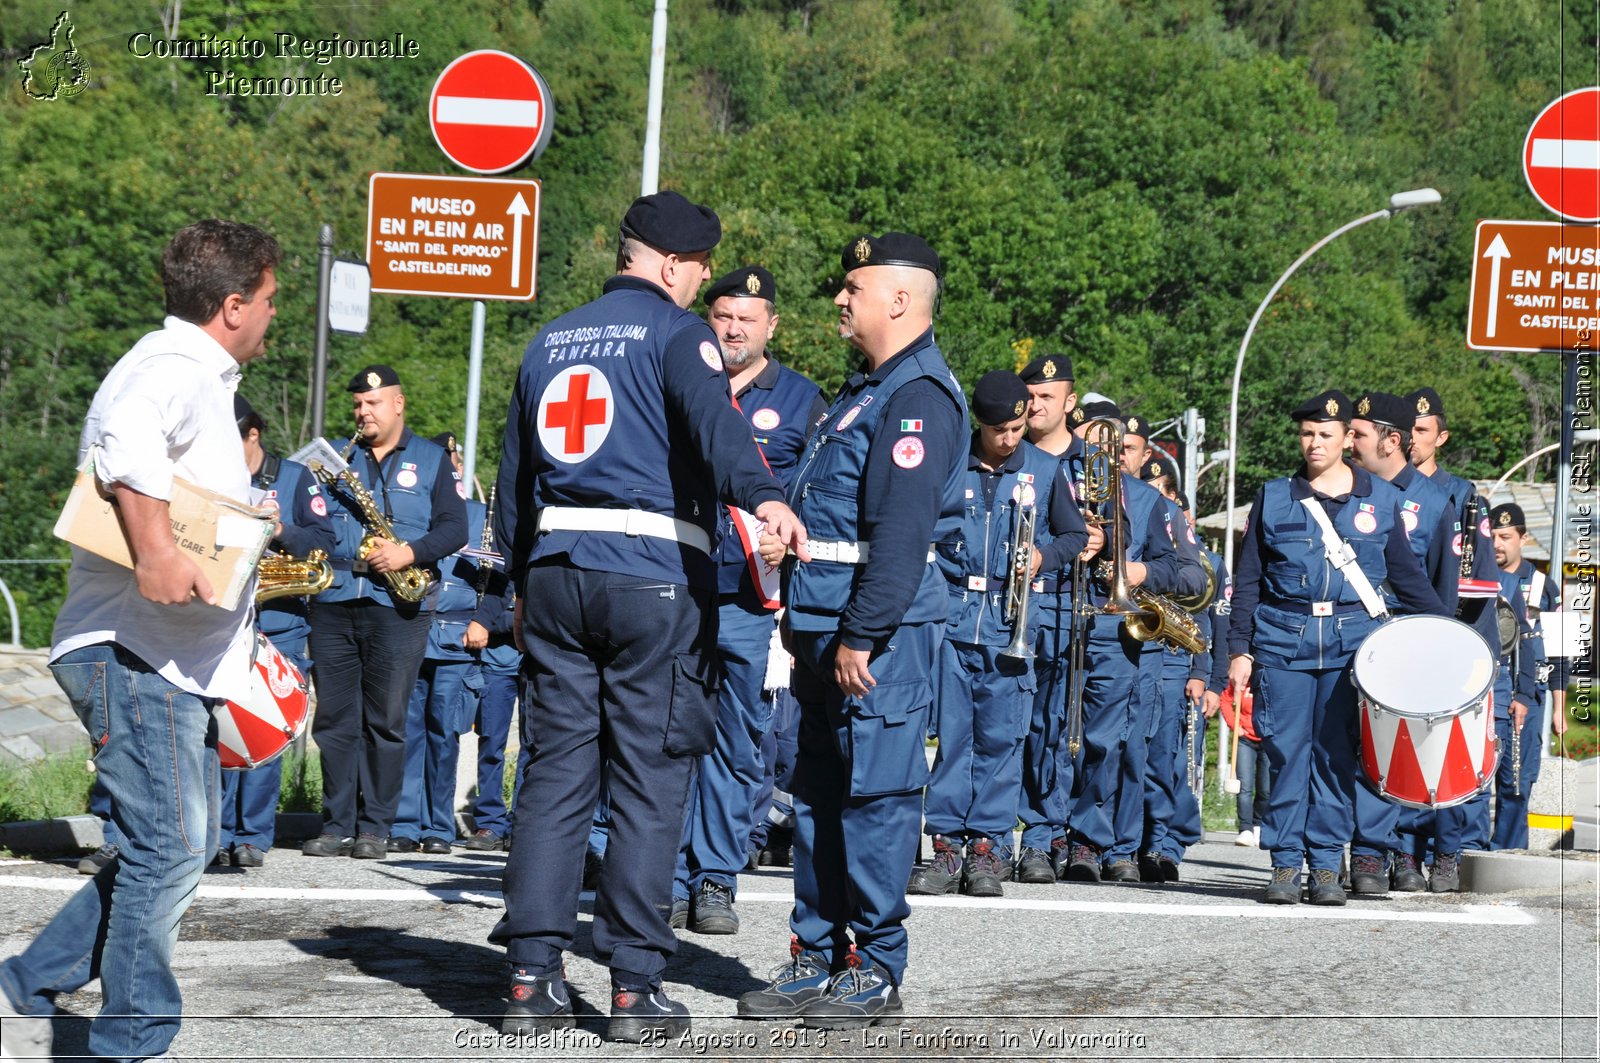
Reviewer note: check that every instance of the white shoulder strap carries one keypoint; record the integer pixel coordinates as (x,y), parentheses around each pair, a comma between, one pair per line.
(1535,593)
(1342,557)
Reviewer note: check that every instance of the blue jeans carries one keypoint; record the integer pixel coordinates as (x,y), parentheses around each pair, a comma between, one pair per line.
(156,754)
(1255,783)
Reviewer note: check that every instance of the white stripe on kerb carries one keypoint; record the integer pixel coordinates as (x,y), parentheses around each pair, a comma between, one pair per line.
(1566,154)
(479,110)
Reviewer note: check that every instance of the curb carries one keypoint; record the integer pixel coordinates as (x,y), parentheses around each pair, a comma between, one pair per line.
(70,835)
(1501,872)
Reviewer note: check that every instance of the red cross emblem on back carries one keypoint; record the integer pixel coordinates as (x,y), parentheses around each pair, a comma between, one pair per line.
(575,414)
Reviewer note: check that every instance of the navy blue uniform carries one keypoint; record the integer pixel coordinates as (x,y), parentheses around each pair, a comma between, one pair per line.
(367,645)
(1511,807)
(499,662)
(983,699)
(444,701)
(1302,621)
(879,483)
(621,446)
(250,798)
(780,405)
(1428,518)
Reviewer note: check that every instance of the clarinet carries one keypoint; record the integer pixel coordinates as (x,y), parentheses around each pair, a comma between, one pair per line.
(1469,547)
(486,543)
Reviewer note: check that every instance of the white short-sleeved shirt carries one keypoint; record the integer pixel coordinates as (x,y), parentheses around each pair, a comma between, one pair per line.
(164,410)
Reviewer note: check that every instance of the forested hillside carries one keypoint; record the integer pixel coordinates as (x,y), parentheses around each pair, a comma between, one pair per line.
(1119,180)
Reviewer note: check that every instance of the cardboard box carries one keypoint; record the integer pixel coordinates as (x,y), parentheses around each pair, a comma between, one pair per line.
(225,538)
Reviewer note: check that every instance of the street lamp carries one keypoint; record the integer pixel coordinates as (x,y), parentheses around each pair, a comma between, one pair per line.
(1417,197)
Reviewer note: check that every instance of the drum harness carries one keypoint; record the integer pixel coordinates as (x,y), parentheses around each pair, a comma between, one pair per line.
(1343,557)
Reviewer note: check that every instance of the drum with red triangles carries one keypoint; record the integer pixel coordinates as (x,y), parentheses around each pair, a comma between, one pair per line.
(258,729)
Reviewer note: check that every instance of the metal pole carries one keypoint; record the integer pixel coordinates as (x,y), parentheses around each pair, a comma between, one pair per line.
(1194,437)
(1558,538)
(652,122)
(469,454)
(16,622)
(1541,452)
(319,361)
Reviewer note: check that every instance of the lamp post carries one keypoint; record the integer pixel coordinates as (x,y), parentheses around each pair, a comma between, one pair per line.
(1417,197)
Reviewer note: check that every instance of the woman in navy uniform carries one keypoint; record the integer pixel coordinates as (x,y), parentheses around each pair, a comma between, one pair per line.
(878,485)
(1297,620)
(983,700)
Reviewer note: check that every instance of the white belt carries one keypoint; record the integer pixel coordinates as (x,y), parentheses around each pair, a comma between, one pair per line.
(627,521)
(843,551)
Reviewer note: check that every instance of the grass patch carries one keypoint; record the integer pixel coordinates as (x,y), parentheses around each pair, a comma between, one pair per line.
(301,788)
(56,786)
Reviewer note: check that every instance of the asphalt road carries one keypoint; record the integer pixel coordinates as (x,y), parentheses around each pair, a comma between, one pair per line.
(348,960)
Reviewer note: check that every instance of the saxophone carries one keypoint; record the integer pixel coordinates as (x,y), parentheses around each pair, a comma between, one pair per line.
(282,576)
(409,584)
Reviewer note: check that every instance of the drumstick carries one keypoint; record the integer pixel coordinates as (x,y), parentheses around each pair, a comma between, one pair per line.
(1232,784)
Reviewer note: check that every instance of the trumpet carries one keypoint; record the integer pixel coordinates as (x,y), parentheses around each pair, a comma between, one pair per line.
(1019,581)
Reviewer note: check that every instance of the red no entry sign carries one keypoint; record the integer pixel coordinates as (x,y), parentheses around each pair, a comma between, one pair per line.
(1561,157)
(490,112)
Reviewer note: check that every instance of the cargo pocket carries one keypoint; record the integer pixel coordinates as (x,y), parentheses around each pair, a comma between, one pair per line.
(85,687)
(692,710)
(887,739)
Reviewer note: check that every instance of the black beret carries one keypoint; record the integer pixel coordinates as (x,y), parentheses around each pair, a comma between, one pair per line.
(1380,407)
(1076,417)
(667,221)
(447,440)
(1159,465)
(1047,368)
(749,282)
(890,249)
(1093,411)
(1134,425)
(373,376)
(1508,516)
(1182,500)
(1426,402)
(999,397)
(1333,405)
(243,412)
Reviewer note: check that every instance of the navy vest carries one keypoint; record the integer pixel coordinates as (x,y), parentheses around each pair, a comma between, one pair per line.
(826,494)
(976,560)
(403,492)
(455,599)
(292,487)
(778,419)
(1295,573)
(604,438)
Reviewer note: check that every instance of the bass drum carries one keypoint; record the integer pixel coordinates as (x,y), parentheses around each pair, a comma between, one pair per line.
(1425,685)
(257,731)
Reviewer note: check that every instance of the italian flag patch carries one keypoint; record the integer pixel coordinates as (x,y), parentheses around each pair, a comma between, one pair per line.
(911,426)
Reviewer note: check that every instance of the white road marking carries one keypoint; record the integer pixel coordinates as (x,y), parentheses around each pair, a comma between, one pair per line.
(1466,914)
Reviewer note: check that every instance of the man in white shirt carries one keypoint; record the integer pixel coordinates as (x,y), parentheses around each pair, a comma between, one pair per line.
(144,654)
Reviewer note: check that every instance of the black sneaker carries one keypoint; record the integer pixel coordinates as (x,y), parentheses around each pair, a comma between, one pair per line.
(222,859)
(328,845)
(645,1018)
(679,917)
(983,871)
(537,1004)
(1405,876)
(484,841)
(98,860)
(712,911)
(856,998)
(775,854)
(1061,856)
(593,866)
(943,875)
(401,845)
(248,856)
(1034,866)
(436,846)
(1446,873)
(1325,888)
(1368,876)
(1149,868)
(1284,887)
(1083,864)
(1169,868)
(370,847)
(795,985)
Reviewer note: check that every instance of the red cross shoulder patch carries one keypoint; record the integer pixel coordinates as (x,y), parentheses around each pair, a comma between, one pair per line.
(908,452)
(575,414)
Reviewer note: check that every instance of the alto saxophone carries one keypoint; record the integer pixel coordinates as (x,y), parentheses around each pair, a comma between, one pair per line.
(409,584)
(282,576)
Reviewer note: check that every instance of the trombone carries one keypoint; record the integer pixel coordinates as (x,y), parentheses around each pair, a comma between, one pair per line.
(1019,579)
